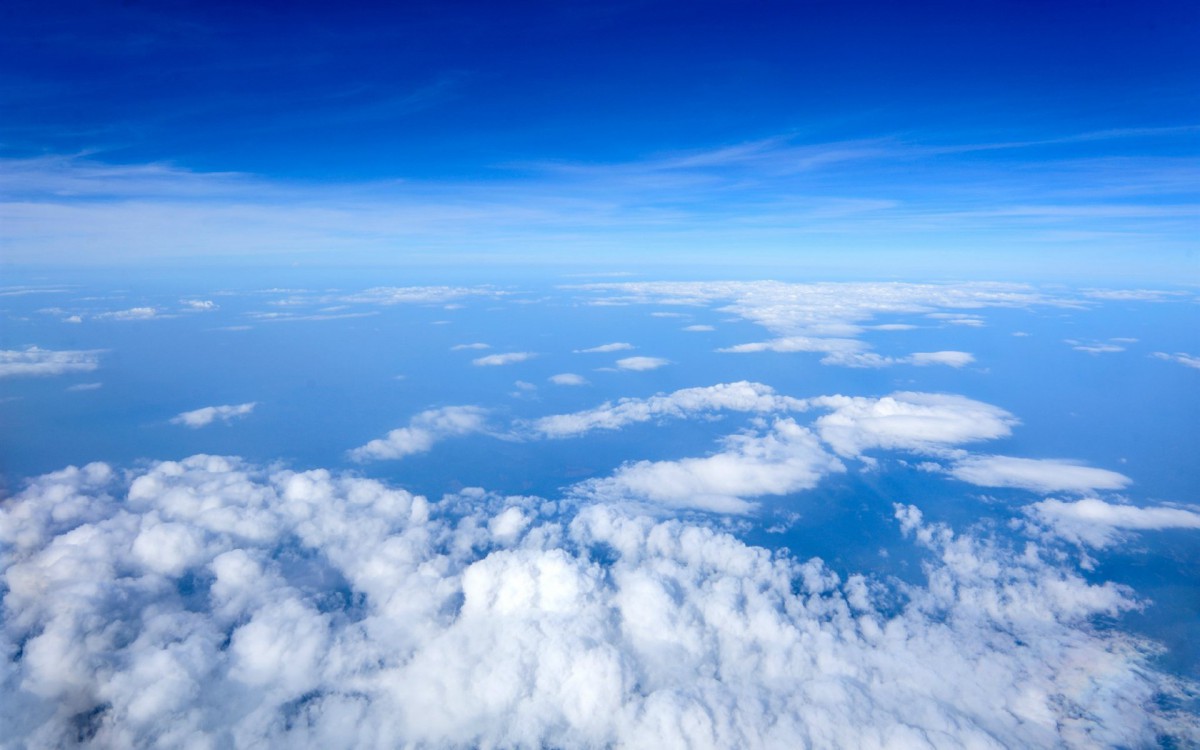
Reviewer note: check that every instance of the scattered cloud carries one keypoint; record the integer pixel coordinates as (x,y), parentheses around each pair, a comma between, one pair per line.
(508,358)
(199,305)
(1187,360)
(1098,347)
(37,362)
(699,328)
(1036,474)
(463,347)
(209,414)
(618,346)
(786,459)
(153,608)
(568,378)
(133,313)
(422,432)
(1095,523)
(741,396)
(642,363)
(948,358)
(83,387)
(908,421)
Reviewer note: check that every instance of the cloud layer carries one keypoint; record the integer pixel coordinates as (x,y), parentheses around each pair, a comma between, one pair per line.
(210,603)
(36,362)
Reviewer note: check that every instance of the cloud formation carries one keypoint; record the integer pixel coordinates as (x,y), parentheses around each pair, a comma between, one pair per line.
(36,362)
(208,602)
(422,432)
(568,378)
(785,459)
(741,396)
(1096,523)
(508,358)
(618,346)
(203,417)
(1187,360)
(1037,474)
(639,364)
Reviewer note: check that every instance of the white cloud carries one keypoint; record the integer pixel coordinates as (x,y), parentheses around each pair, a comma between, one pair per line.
(948,358)
(419,295)
(36,362)
(786,459)
(202,305)
(908,421)
(154,609)
(1093,522)
(699,328)
(422,432)
(133,313)
(1187,360)
(84,387)
(206,416)
(1096,347)
(642,363)
(476,345)
(1039,475)
(740,396)
(618,346)
(508,358)
(568,378)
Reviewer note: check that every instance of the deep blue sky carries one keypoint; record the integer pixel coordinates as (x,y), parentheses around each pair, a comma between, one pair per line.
(454,97)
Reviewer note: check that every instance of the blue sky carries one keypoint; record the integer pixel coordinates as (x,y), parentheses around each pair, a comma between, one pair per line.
(974,139)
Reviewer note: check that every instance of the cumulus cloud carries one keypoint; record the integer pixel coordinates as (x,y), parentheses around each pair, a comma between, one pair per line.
(568,378)
(908,421)
(618,346)
(209,414)
(508,358)
(211,603)
(1037,474)
(1095,523)
(199,305)
(1187,360)
(786,459)
(422,432)
(741,396)
(36,362)
(639,364)
(850,352)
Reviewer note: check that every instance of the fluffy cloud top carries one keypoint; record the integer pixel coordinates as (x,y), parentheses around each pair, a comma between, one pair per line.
(1093,522)
(35,362)
(508,358)
(642,363)
(1039,475)
(786,459)
(908,421)
(207,603)
(422,432)
(740,396)
(203,417)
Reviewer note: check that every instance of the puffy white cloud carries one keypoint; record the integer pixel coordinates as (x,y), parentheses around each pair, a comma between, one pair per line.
(37,362)
(786,459)
(422,432)
(200,305)
(508,358)
(203,417)
(639,364)
(740,396)
(1037,474)
(568,378)
(1187,360)
(1093,522)
(310,609)
(618,346)
(908,421)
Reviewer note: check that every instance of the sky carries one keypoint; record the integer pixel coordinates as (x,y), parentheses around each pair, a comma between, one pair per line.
(957,138)
(576,375)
